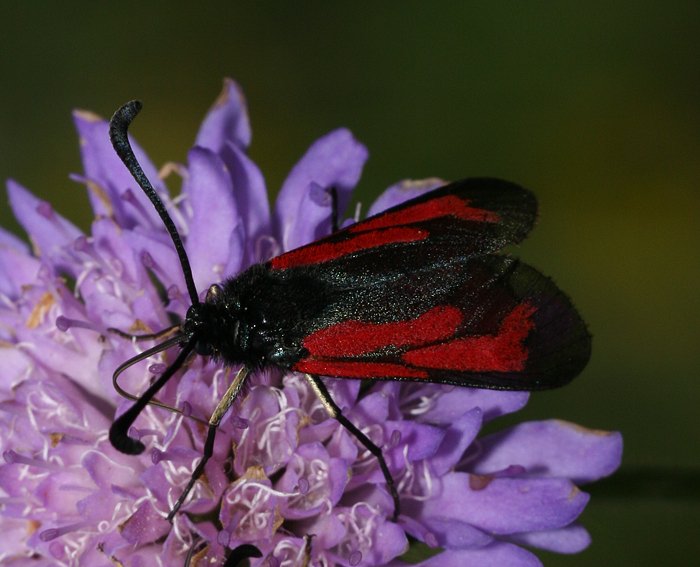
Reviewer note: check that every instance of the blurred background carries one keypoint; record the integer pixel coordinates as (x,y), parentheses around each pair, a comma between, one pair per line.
(595,106)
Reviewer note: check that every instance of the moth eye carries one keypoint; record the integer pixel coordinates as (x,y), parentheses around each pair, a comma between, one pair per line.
(213,293)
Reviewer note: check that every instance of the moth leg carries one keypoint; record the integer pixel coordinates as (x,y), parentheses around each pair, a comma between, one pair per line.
(334,411)
(335,214)
(307,550)
(226,401)
(195,549)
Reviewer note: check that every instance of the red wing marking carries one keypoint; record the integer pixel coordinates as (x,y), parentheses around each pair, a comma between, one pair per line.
(449,205)
(353,338)
(504,352)
(325,251)
(354,369)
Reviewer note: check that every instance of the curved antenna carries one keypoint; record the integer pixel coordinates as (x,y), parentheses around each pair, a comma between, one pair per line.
(142,356)
(146,336)
(119,431)
(118,127)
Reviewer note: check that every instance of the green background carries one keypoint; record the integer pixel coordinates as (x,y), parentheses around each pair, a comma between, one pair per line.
(595,107)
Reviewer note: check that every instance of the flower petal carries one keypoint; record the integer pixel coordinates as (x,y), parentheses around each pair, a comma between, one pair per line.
(214,217)
(17,269)
(552,448)
(51,234)
(317,479)
(145,525)
(103,167)
(335,160)
(454,534)
(403,191)
(251,196)
(571,539)
(16,368)
(227,120)
(454,401)
(497,554)
(9,240)
(457,438)
(507,505)
(281,468)
(160,258)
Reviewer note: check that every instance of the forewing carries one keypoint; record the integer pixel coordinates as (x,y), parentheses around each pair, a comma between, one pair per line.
(467,218)
(488,322)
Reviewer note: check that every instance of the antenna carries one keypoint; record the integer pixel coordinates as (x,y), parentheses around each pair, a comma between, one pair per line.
(119,432)
(118,127)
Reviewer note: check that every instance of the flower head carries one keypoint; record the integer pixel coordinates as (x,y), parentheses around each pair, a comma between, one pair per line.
(284,476)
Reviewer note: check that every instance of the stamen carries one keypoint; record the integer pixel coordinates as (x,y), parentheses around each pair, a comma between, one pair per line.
(303,486)
(140,434)
(424,404)
(13,458)
(53,533)
(64,323)
(416,482)
(265,488)
(272,440)
(158,456)
(355,558)
(287,550)
(157,368)
(147,260)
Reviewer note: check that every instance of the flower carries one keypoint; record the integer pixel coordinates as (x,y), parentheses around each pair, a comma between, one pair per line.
(284,476)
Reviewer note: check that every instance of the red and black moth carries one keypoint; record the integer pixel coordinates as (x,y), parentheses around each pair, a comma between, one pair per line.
(417,292)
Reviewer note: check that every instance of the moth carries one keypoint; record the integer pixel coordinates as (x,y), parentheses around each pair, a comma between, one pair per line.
(417,292)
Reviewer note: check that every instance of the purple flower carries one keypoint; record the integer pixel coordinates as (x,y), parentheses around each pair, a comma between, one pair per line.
(284,477)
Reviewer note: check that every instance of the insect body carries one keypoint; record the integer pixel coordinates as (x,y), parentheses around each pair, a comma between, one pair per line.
(417,292)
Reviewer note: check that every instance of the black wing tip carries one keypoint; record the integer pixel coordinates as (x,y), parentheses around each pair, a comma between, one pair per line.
(488,185)
(560,345)
(516,204)
(564,344)
(568,366)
